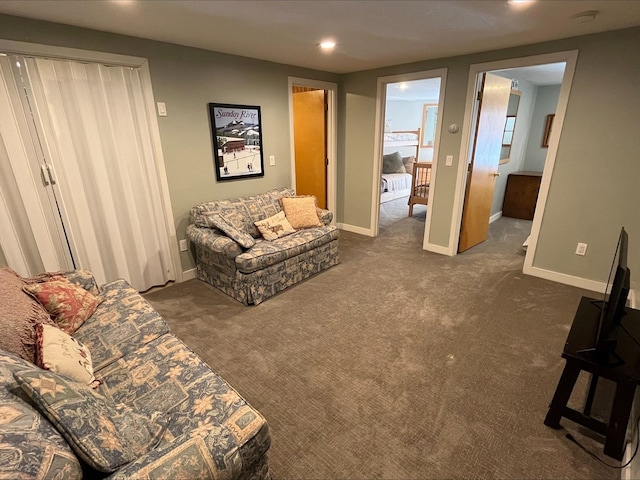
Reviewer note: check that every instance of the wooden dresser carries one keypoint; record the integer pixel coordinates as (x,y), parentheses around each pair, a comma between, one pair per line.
(521,195)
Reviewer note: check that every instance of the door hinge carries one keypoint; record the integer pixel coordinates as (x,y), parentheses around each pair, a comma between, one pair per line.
(480,95)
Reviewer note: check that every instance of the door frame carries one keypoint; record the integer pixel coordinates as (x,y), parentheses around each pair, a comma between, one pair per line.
(381,97)
(332,149)
(570,58)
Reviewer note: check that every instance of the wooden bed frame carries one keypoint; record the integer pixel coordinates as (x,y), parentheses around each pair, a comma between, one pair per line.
(420,182)
(405,143)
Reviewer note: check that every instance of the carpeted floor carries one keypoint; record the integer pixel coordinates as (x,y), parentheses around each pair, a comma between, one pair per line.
(400,363)
(398,209)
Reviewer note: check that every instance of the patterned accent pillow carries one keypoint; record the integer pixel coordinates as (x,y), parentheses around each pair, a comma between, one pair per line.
(392,163)
(103,434)
(275,227)
(215,220)
(69,304)
(61,353)
(301,211)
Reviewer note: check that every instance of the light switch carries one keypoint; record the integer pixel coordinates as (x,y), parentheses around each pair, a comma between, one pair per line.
(272,159)
(162,109)
(449,161)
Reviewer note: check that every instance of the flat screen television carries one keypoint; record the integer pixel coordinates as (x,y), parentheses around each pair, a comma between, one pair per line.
(613,305)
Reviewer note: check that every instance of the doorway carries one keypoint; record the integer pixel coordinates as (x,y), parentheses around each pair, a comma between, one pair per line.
(468,136)
(312,111)
(410,129)
(407,127)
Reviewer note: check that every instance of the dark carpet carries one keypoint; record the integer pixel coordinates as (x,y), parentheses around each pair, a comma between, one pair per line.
(400,363)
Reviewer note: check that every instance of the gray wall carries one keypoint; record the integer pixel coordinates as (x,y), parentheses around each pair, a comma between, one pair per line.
(595,182)
(546,104)
(187,79)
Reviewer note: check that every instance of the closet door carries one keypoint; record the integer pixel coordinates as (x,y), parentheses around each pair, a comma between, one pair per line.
(95,130)
(32,236)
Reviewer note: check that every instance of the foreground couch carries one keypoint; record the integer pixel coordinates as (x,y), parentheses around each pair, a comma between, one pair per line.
(233,256)
(199,426)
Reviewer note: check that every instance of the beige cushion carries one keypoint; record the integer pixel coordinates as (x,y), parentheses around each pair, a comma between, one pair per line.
(408,163)
(275,227)
(61,353)
(301,211)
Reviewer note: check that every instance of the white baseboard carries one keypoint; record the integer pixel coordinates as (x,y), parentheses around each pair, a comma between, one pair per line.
(579,282)
(495,216)
(354,229)
(432,247)
(188,274)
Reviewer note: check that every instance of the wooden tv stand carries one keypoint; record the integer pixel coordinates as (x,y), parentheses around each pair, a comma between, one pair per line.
(624,371)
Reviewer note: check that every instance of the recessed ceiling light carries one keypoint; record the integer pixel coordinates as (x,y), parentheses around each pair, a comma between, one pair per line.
(519,3)
(327,45)
(586,16)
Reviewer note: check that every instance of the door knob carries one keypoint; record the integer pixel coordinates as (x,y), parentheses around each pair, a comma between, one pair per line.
(496,174)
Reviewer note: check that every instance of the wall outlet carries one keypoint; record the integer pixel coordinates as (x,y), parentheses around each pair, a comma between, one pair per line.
(183,245)
(449,160)
(162,109)
(581,249)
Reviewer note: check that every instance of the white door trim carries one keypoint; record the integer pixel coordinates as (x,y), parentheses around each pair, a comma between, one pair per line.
(379,143)
(332,135)
(570,57)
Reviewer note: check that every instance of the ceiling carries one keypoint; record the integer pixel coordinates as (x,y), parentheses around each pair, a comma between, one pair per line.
(368,33)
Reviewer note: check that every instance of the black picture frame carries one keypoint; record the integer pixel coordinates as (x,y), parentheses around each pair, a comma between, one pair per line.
(237,141)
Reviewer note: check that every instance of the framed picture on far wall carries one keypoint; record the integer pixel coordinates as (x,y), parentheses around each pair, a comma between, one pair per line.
(237,141)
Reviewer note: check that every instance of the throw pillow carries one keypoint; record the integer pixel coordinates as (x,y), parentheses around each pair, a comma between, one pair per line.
(392,163)
(69,304)
(275,227)
(103,434)
(18,316)
(301,211)
(408,163)
(61,353)
(215,220)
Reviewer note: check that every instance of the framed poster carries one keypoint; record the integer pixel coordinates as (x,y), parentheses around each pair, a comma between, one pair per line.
(237,141)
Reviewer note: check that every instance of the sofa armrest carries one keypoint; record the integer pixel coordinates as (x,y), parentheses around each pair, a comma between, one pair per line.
(84,279)
(210,456)
(325,216)
(214,241)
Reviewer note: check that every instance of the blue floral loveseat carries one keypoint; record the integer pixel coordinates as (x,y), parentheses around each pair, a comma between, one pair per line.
(233,256)
(159,411)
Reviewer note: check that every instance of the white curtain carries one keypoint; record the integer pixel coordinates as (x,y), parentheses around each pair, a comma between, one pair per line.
(95,133)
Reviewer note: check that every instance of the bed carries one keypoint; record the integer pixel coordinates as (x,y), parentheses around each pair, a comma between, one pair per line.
(401,150)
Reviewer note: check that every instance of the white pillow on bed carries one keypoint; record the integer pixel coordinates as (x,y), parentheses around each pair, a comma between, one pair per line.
(392,163)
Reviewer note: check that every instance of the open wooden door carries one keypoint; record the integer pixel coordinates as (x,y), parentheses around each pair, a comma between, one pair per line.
(483,169)
(310,143)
